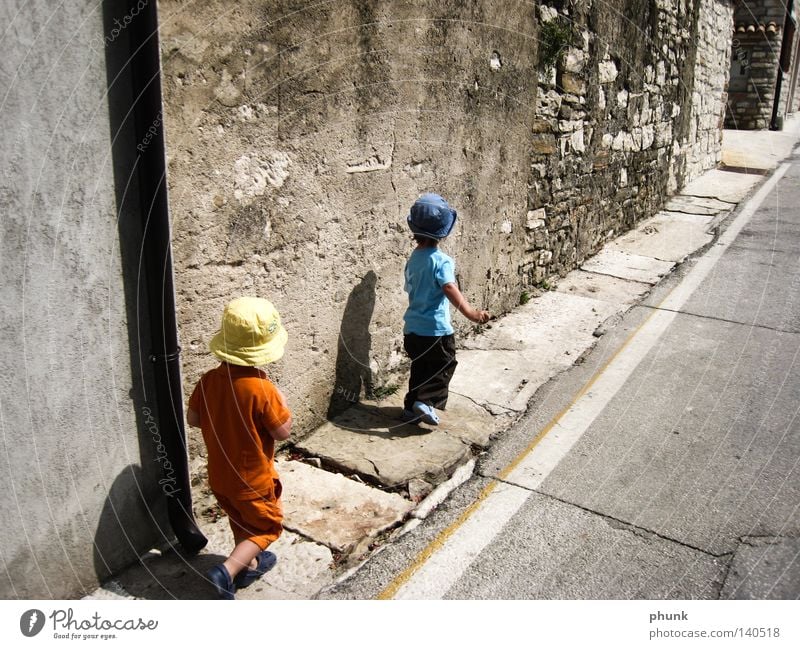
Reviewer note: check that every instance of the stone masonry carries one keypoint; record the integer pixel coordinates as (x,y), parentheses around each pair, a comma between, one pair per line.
(300,133)
(756,49)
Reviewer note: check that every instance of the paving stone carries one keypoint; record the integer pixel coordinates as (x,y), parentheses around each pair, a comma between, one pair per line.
(506,364)
(603,287)
(303,568)
(334,510)
(669,236)
(376,444)
(551,321)
(697,205)
(764,568)
(724,185)
(759,150)
(624,265)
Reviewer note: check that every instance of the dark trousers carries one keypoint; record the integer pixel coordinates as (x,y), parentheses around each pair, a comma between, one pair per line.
(433,361)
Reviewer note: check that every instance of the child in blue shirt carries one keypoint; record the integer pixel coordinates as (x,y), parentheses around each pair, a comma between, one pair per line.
(430,282)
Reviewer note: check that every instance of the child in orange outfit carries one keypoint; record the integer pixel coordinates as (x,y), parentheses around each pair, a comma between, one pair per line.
(242,414)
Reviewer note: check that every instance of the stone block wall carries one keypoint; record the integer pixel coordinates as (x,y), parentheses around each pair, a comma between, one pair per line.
(756,48)
(632,112)
(300,133)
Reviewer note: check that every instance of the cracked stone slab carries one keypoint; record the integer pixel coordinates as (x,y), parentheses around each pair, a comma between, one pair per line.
(375,443)
(668,236)
(603,287)
(764,568)
(624,265)
(508,363)
(726,186)
(334,510)
(303,568)
(699,205)
(548,322)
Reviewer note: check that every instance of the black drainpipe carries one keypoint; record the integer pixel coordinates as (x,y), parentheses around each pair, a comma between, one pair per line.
(156,264)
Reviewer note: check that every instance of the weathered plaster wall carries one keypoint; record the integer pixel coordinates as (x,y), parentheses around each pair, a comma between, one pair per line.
(300,133)
(79,484)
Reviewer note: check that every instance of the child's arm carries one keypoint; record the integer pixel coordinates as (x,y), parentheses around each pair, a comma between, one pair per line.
(193,418)
(460,302)
(282,432)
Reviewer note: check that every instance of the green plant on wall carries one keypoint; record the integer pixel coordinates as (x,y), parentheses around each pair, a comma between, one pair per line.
(383,391)
(554,36)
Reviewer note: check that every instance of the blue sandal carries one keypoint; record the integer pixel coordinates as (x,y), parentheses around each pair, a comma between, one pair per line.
(221,579)
(426,413)
(266,561)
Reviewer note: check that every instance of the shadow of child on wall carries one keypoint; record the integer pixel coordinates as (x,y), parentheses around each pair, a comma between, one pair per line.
(352,360)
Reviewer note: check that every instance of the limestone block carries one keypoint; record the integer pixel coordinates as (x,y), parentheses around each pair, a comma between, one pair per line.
(547,13)
(633,267)
(333,510)
(602,287)
(568,126)
(543,144)
(669,236)
(576,140)
(536,218)
(663,134)
(371,440)
(574,60)
(608,71)
(573,83)
(508,363)
(648,136)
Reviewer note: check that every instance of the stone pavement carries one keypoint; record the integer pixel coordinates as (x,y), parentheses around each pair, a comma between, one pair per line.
(365,473)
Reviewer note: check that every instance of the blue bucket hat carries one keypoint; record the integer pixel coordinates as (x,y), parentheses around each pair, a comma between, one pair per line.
(431,217)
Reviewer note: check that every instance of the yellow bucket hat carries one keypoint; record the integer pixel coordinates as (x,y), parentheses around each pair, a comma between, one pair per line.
(251,333)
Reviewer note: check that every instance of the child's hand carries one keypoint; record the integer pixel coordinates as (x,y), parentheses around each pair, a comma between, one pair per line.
(481,317)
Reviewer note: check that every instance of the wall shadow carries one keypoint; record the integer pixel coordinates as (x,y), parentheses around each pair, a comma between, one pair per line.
(353,372)
(165,574)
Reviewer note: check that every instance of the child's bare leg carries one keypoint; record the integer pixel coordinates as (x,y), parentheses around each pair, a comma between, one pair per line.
(243,556)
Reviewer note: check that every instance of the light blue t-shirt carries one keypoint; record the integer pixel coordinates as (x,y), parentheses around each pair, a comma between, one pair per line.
(427,271)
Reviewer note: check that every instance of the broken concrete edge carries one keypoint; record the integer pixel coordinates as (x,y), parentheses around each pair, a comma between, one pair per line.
(440,494)
(412,521)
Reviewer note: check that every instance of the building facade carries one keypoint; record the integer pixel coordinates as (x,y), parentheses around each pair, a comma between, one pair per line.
(764,65)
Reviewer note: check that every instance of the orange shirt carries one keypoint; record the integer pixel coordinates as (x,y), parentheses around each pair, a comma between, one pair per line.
(237,406)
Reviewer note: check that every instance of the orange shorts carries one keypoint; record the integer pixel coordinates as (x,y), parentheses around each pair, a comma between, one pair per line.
(258,520)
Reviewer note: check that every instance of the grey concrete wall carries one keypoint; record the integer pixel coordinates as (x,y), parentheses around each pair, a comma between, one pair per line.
(300,133)
(79,483)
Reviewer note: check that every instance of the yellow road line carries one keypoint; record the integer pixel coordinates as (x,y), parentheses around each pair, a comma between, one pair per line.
(397,583)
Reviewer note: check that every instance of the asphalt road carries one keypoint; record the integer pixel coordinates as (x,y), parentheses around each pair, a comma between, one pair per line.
(666,465)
